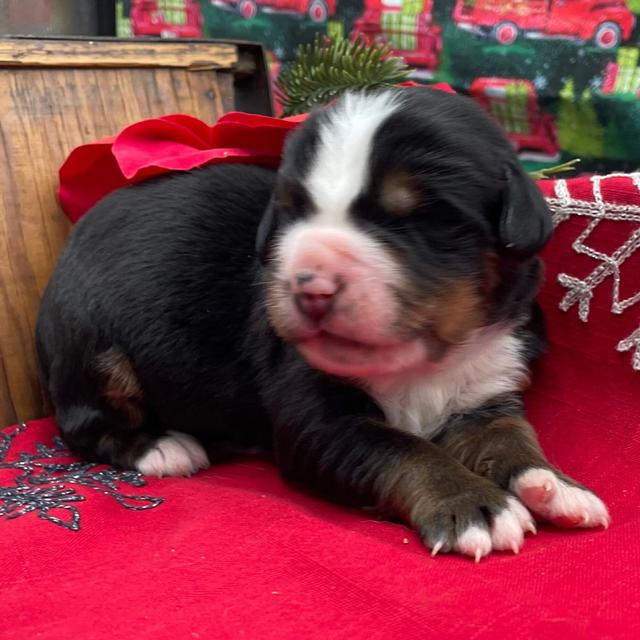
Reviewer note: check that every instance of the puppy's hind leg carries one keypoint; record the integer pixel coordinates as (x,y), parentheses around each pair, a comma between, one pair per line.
(104,418)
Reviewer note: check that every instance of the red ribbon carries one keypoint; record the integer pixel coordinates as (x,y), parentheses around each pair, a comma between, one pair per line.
(171,143)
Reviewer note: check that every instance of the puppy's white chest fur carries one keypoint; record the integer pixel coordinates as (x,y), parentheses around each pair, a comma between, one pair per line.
(489,365)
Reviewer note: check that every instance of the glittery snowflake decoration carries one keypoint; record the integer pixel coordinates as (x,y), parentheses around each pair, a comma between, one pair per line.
(49,488)
(579,291)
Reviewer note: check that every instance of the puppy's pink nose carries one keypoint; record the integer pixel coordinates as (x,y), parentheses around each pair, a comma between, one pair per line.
(314,305)
(314,294)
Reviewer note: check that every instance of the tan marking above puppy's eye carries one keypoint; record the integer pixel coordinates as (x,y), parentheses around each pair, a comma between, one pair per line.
(399,194)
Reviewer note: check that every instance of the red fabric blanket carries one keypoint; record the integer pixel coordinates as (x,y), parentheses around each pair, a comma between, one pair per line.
(89,552)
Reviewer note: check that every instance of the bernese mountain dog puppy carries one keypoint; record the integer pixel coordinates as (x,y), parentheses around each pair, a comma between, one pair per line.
(367,312)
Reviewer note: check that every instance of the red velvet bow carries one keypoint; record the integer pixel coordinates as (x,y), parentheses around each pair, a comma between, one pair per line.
(171,143)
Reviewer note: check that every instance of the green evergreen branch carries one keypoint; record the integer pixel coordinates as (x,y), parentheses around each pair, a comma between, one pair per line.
(324,69)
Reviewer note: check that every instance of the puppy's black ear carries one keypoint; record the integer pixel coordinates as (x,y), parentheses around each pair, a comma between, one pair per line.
(266,231)
(525,223)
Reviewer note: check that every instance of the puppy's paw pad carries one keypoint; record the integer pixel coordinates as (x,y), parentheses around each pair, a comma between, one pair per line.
(558,501)
(176,454)
(474,541)
(510,525)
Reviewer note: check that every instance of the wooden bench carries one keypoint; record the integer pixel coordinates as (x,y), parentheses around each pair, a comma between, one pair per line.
(56,94)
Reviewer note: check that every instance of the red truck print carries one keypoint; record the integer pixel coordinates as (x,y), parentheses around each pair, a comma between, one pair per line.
(166,19)
(317,11)
(407,26)
(605,22)
(514,104)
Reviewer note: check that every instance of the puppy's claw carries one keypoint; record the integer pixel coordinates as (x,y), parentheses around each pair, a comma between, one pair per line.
(436,548)
(478,555)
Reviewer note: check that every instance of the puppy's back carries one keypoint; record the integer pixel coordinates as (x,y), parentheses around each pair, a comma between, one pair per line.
(161,272)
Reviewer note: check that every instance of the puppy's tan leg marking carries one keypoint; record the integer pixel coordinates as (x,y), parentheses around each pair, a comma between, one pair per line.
(119,385)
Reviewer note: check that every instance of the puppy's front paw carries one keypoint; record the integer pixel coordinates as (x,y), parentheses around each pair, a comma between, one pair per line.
(554,499)
(476,522)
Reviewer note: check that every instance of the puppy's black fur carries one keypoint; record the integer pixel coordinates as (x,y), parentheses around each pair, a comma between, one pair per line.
(164,273)
(169,278)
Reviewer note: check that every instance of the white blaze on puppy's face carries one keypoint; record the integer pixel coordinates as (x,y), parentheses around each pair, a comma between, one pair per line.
(340,169)
(326,255)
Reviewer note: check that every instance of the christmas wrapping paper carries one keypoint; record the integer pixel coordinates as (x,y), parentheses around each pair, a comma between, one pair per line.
(561,76)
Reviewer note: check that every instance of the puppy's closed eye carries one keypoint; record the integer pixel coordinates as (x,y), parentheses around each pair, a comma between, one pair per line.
(399,194)
(291,196)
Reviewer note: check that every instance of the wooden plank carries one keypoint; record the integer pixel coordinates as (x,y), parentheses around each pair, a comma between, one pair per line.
(44,113)
(104,53)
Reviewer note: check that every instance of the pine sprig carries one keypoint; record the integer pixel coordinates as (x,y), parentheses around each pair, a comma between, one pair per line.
(324,69)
